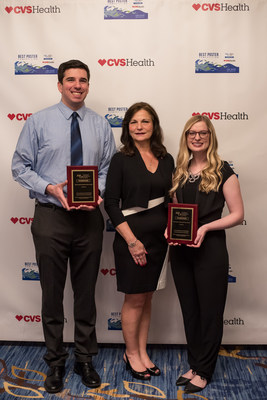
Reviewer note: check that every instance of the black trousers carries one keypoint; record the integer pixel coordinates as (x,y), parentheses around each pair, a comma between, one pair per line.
(201,279)
(61,237)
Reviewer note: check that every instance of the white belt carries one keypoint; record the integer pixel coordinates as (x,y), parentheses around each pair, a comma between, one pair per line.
(151,204)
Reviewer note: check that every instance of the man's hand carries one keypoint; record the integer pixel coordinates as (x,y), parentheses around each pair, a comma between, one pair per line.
(83,207)
(57,192)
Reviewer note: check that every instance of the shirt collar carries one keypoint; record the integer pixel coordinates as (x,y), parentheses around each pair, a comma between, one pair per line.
(67,112)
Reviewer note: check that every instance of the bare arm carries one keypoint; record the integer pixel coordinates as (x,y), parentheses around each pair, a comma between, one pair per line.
(233,198)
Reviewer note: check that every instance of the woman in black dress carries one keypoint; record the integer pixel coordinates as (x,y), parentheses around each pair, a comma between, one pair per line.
(136,197)
(200,270)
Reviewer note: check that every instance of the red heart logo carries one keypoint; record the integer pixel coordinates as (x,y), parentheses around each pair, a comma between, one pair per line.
(102,62)
(14,220)
(11,116)
(9,9)
(104,271)
(19,317)
(196,6)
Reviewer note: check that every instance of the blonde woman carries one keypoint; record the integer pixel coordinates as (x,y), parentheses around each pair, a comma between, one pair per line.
(200,270)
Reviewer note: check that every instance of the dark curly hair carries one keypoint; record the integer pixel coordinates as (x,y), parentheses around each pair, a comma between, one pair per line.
(156,145)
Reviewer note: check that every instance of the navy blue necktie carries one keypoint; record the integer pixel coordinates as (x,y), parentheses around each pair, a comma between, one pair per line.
(76,141)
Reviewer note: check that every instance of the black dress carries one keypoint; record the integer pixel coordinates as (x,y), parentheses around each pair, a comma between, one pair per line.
(130,182)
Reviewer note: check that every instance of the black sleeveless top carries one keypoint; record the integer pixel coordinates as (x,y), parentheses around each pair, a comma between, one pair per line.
(210,205)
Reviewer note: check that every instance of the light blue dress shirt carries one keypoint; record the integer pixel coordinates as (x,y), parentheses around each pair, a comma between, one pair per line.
(43,149)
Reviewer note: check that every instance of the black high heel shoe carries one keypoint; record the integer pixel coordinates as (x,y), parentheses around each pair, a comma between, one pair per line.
(155,371)
(181,381)
(144,375)
(191,388)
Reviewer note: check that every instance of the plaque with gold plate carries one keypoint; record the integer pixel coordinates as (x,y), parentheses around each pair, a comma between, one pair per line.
(82,185)
(182,223)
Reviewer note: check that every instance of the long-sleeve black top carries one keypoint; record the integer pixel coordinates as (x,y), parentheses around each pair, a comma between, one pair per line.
(128,184)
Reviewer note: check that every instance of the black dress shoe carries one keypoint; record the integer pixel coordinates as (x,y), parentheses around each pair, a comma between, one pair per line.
(89,375)
(182,381)
(191,388)
(54,379)
(155,371)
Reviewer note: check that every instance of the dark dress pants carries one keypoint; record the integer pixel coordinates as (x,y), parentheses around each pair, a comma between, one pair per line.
(60,237)
(201,277)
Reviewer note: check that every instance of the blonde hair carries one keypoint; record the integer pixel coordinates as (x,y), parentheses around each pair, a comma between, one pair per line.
(211,176)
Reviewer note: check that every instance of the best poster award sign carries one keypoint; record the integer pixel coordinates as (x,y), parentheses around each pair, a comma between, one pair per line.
(182,223)
(82,185)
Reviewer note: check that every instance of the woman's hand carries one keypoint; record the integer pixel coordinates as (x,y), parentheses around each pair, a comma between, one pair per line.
(136,248)
(138,252)
(201,232)
(170,243)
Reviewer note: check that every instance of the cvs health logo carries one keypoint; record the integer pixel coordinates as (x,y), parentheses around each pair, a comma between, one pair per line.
(21,220)
(220,7)
(224,115)
(19,116)
(28,318)
(211,115)
(19,9)
(112,62)
(207,7)
(33,10)
(106,271)
(126,62)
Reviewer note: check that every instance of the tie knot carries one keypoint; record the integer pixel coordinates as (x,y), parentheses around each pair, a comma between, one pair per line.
(74,115)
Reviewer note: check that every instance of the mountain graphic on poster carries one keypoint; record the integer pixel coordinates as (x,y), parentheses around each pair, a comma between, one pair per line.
(116,13)
(114,120)
(23,68)
(202,66)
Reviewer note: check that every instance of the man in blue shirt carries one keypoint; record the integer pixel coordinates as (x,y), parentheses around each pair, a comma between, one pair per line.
(60,232)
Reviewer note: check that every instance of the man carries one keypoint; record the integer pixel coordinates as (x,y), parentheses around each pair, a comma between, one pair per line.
(60,232)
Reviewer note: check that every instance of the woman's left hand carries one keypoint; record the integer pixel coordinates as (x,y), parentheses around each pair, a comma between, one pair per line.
(138,252)
(201,232)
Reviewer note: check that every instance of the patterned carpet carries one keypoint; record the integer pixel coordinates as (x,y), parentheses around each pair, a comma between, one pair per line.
(241,374)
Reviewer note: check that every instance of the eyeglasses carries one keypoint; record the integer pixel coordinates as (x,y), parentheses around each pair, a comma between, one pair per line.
(202,134)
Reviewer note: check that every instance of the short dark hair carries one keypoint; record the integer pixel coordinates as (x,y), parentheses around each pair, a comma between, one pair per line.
(156,141)
(71,64)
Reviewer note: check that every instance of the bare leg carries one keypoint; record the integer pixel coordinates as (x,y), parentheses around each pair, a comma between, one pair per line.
(143,331)
(131,315)
(189,374)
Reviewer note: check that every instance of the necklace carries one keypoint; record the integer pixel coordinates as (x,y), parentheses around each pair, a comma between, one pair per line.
(192,178)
